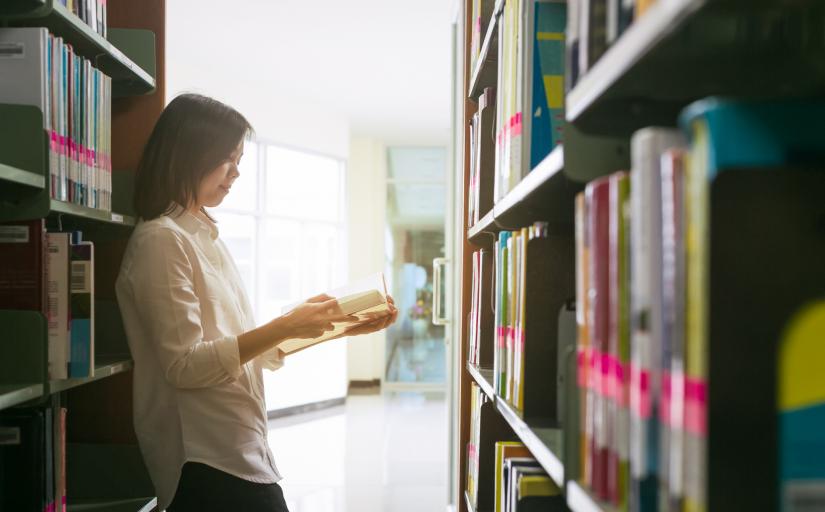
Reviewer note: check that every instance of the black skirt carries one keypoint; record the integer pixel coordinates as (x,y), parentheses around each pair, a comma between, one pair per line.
(203,488)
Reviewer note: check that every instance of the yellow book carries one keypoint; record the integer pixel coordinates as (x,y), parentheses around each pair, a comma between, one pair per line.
(504,450)
(696,335)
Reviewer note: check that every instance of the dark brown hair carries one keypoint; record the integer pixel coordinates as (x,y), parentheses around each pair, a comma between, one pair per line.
(193,135)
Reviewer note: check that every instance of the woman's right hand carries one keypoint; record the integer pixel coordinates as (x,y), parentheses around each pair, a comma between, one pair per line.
(314,317)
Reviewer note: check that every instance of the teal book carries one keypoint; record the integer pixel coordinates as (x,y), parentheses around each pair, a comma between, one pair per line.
(548,79)
(81,330)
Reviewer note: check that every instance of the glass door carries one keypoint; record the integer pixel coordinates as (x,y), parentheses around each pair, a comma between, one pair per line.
(416,205)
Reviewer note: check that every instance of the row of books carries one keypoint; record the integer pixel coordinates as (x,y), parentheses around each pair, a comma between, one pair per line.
(521,484)
(53,273)
(33,459)
(593,26)
(75,99)
(530,93)
(516,314)
(646,341)
(92,12)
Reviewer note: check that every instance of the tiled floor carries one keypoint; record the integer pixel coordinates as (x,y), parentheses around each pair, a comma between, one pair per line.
(379,453)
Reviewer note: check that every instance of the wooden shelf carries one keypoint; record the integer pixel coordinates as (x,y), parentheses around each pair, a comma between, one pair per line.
(128,78)
(11,174)
(682,50)
(84,212)
(13,395)
(125,505)
(580,499)
(104,367)
(485,71)
(543,443)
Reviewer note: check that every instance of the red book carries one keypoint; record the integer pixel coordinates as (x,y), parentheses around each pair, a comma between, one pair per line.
(23,277)
(597,195)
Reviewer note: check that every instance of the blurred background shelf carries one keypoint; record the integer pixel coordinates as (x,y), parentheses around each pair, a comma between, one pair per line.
(683,50)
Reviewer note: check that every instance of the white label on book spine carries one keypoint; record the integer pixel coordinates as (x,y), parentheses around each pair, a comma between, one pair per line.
(804,496)
(12,51)
(116,217)
(14,234)
(81,277)
(9,436)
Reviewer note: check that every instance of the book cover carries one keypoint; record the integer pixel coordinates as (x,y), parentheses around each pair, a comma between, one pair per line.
(23,460)
(598,198)
(58,304)
(583,336)
(647,146)
(801,411)
(363,305)
(82,337)
(618,420)
(538,493)
(671,408)
(23,272)
(546,94)
(485,165)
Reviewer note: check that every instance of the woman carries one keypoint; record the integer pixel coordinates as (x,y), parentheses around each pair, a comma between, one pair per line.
(199,407)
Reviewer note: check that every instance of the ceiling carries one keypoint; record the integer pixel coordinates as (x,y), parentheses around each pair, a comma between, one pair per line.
(384,65)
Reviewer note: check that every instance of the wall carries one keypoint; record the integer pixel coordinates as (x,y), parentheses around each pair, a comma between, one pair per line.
(366,219)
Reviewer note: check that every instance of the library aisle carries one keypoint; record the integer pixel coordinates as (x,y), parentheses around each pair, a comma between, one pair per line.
(378,453)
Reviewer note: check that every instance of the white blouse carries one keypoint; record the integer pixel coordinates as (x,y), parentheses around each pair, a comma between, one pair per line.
(183,306)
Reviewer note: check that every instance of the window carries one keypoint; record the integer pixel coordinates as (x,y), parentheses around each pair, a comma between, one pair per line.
(284,225)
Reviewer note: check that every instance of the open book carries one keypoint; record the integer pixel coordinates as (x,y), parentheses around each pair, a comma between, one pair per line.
(363,305)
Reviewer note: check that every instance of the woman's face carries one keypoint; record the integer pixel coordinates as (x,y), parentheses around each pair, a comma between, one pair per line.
(215,185)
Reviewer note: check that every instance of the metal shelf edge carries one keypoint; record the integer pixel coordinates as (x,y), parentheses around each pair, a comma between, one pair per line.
(638,40)
(547,169)
(544,455)
(101,372)
(21,177)
(18,396)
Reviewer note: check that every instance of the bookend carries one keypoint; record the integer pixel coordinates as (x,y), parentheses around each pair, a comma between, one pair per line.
(24,350)
(768,223)
(487,330)
(550,284)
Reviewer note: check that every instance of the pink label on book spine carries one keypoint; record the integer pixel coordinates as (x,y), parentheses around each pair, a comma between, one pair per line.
(664,406)
(696,406)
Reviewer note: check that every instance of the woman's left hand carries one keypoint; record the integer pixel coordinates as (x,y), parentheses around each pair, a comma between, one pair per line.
(382,322)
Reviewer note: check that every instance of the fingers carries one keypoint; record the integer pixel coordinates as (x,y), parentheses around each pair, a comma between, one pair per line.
(320,298)
(390,300)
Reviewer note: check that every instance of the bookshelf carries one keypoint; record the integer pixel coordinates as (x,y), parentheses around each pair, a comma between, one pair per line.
(676,53)
(127,55)
(104,467)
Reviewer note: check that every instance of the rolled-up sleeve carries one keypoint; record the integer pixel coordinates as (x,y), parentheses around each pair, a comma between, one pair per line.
(272,359)
(169,309)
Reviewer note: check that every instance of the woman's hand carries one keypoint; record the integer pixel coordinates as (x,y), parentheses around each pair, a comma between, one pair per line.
(378,322)
(314,317)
